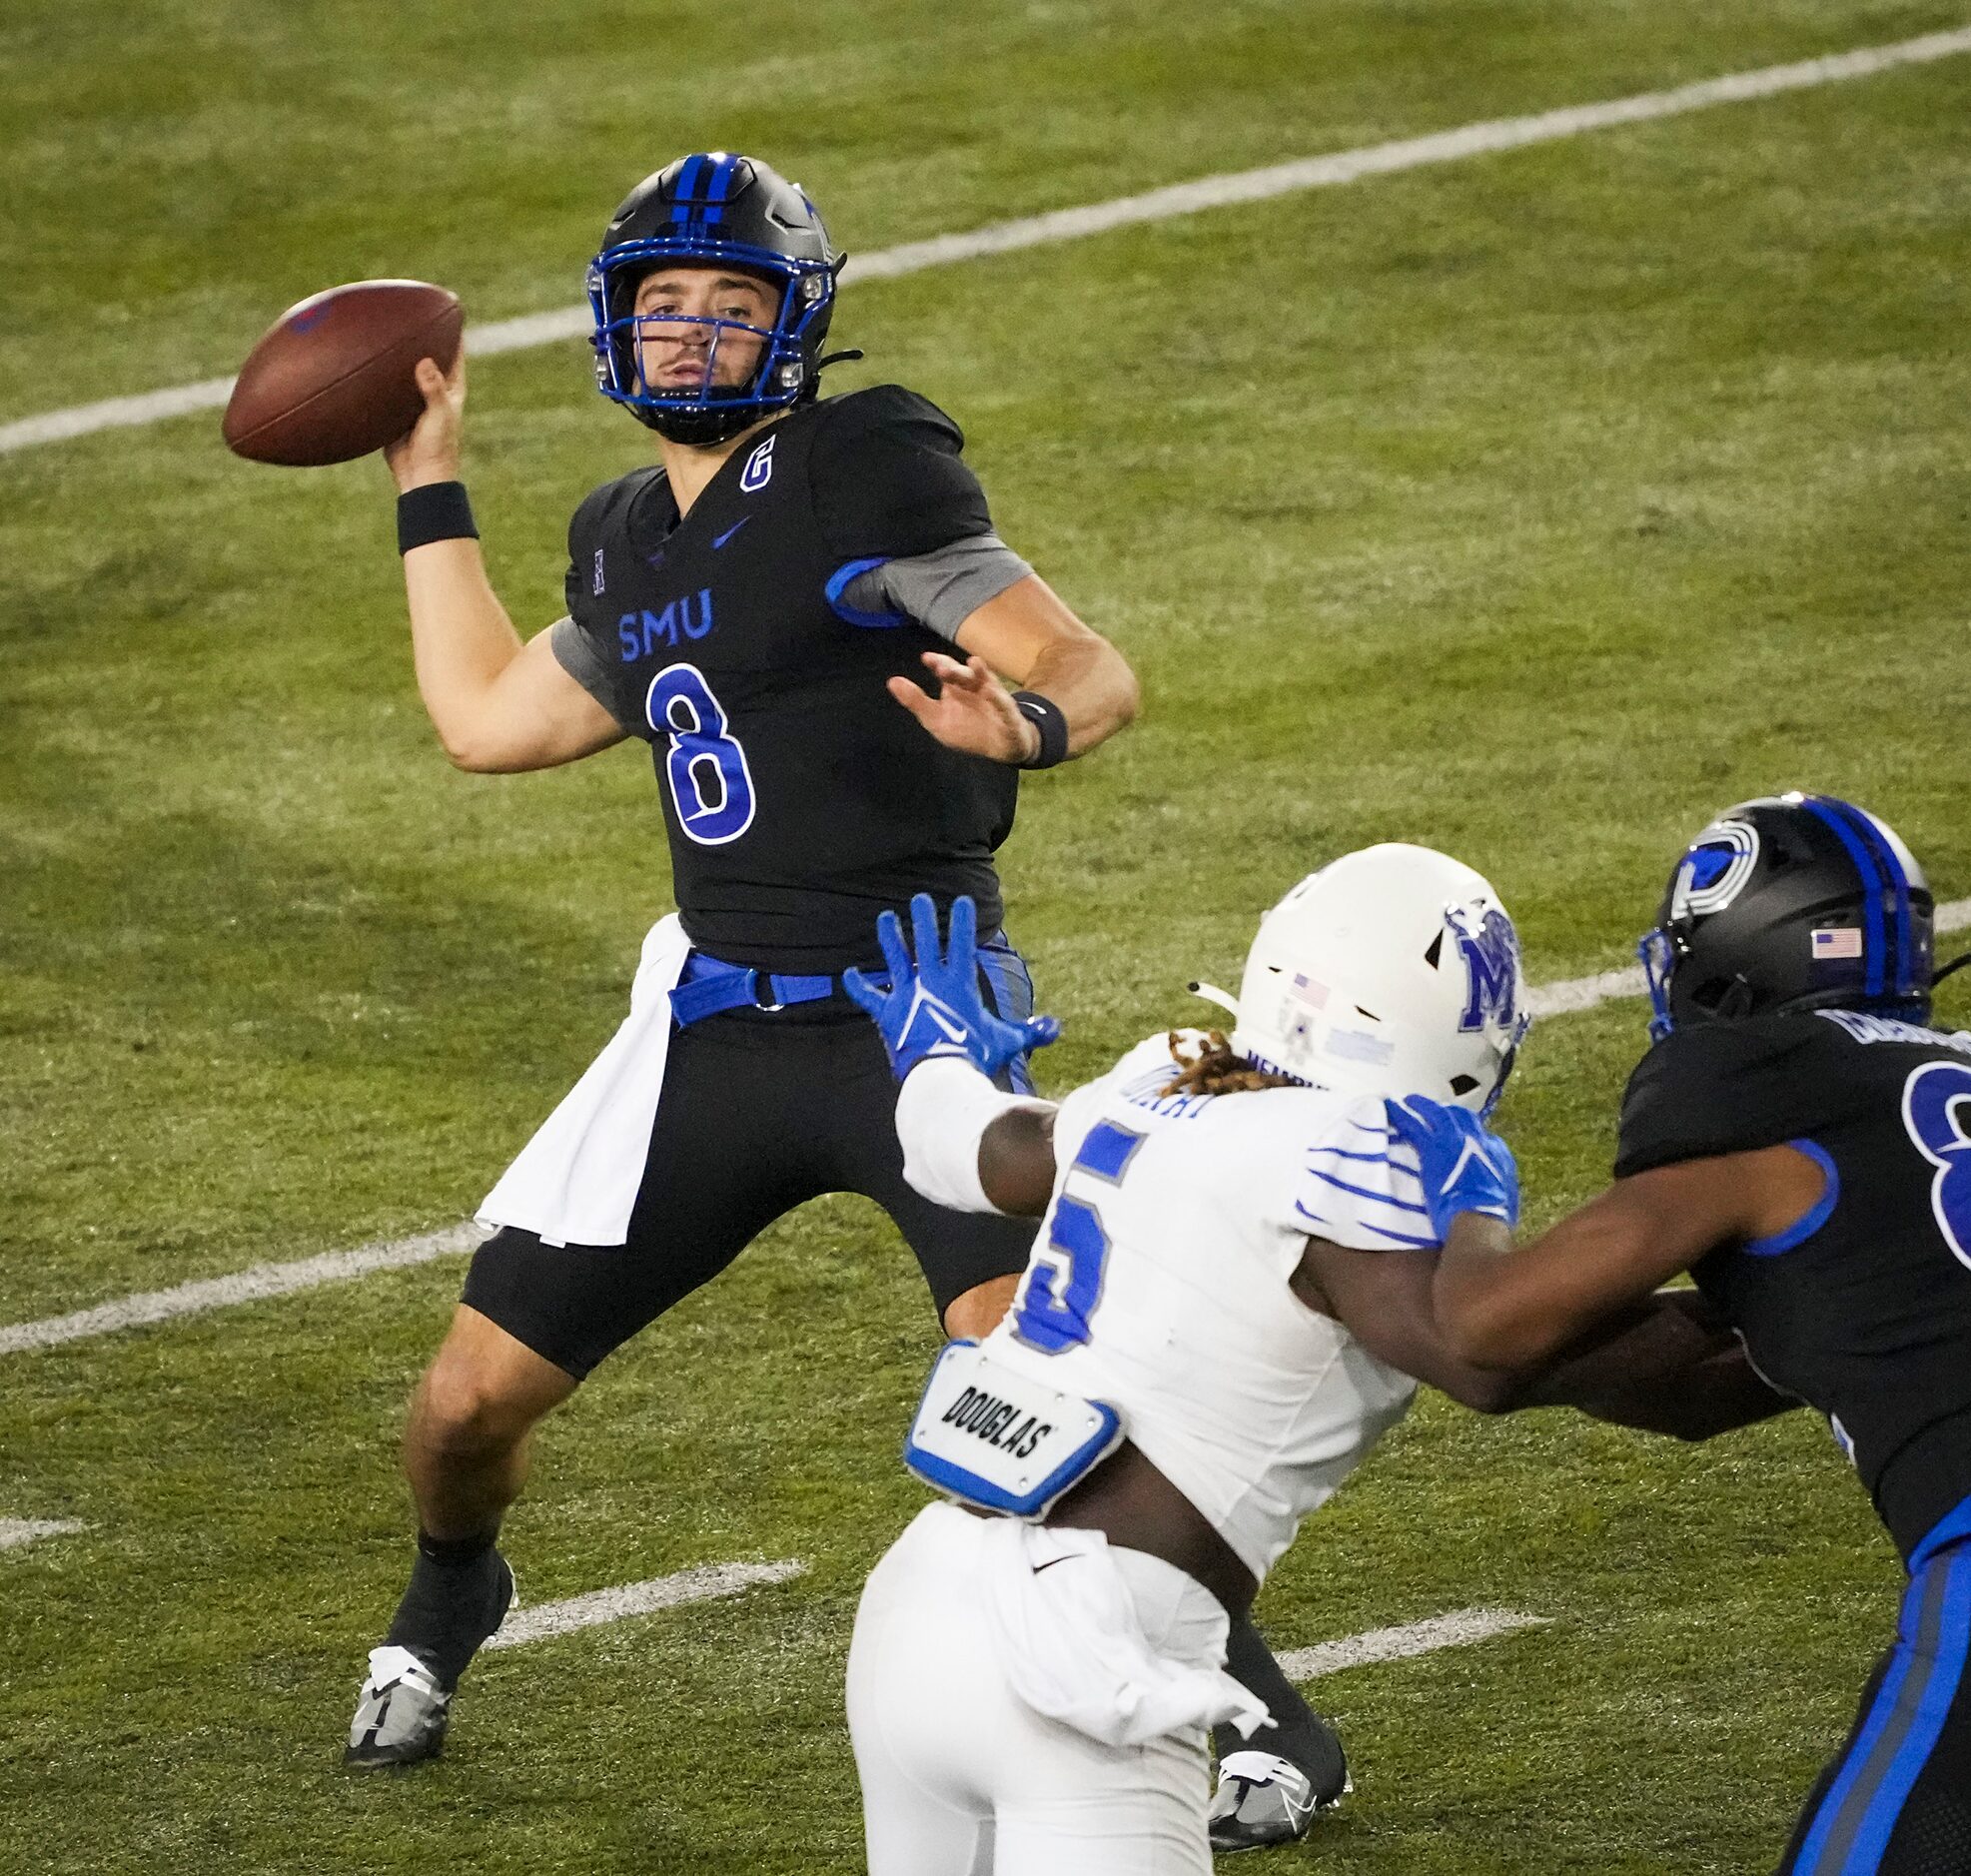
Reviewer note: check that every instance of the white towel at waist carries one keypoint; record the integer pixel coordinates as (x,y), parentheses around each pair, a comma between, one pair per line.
(575,1181)
(1068,1615)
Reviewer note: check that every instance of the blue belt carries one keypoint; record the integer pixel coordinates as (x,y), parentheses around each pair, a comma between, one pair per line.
(709,986)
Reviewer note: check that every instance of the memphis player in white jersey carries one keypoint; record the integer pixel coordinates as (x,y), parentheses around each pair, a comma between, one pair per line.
(1211,1335)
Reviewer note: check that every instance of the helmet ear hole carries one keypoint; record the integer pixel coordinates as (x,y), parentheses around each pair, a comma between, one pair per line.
(1708,995)
(1435,954)
(1726,999)
(1461,1084)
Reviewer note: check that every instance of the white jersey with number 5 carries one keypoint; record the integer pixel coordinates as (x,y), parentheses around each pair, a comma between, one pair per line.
(1159,1284)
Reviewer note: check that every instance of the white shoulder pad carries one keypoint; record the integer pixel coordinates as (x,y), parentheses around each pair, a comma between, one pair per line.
(1359,1186)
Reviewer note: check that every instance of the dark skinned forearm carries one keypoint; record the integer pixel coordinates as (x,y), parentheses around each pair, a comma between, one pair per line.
(1670,1366)
(1713,1397)
(1516,1308)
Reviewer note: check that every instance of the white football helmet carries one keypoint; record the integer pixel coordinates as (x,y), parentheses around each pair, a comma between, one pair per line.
(1394,970)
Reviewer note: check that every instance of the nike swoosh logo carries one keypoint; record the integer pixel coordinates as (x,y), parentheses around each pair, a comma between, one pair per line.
(719,541)
(954,1031)
(1466,1155)
(924,1004)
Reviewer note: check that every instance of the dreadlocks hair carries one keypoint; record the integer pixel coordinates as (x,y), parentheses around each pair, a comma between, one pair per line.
(1216,1069)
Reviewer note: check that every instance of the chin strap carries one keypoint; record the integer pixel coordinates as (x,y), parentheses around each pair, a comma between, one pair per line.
(837,357)
(1956,963)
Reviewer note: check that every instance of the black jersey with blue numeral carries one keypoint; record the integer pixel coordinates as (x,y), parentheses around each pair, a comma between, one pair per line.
(799,797)
(1863,1307)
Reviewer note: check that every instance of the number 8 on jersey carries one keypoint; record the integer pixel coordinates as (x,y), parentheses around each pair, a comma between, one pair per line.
(710,785)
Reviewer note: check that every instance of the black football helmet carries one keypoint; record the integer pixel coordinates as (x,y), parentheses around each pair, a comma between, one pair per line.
(707,210)
(1791,902)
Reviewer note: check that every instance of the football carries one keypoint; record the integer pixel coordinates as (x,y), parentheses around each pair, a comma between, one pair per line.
(335,376)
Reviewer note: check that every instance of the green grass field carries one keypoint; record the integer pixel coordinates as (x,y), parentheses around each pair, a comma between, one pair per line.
(1535,506)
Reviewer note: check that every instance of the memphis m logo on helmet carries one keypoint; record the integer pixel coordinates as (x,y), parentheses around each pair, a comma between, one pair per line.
(1791,902)
(716,210)
(1394,970)
(1491,949)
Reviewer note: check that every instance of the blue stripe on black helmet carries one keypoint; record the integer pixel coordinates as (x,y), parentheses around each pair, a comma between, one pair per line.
(716,210)
(1791,902)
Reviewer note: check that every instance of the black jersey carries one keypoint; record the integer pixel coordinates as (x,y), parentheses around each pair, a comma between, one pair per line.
(799,797)
(1863,1308)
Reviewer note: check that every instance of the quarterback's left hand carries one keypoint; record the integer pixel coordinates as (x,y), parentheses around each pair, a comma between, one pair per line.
(933,1007)
(973,711)
(1464,1166)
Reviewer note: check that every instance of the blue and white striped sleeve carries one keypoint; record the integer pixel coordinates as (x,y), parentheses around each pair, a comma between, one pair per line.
(1359,1186)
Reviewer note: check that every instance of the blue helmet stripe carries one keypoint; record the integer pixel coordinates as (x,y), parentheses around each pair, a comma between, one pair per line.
(1896,882)
(1906,984)
(1823,806)
(721,187)
(682,207)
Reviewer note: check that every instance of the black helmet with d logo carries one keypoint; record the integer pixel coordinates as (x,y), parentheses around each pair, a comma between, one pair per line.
(1791,902)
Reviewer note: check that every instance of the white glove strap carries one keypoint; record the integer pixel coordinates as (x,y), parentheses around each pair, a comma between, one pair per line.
(942,1112)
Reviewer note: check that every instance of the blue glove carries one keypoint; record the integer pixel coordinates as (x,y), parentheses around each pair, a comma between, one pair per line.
(933,1007)
(1465,1167)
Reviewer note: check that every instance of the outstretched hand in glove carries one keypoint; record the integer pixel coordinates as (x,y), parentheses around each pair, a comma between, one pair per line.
(932,1006)
(1464,1166)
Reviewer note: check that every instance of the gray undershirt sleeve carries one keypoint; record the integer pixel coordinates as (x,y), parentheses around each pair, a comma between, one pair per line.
(940,590)
(576,653)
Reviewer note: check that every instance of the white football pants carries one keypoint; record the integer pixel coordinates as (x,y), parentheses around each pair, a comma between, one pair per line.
(960,1777)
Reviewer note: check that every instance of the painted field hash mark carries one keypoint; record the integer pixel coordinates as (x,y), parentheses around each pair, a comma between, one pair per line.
(1155,205)
(1458,1630)
(18,1531)
(703,1585)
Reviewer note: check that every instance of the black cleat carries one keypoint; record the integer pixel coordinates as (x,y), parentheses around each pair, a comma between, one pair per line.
(401,1715)
(405,1705)
(1263,1799)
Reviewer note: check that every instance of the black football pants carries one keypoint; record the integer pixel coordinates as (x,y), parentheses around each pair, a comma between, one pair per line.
(761,1110)
(1896,1801)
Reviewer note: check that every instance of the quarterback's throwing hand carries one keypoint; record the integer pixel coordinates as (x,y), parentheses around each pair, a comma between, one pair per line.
(973,711)
(933,1007)
(428,451)
(1465,1167)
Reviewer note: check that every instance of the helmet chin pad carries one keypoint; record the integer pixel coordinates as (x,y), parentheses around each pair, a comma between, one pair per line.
(701,414)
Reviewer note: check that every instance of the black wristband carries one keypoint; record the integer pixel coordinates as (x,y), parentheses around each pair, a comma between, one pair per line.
(436,511)
(1048,718)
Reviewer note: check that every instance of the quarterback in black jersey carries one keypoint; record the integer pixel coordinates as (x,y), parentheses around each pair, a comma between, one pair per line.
(1800,1138)
(803,610)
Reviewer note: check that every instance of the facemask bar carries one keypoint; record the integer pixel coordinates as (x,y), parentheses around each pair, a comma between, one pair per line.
(1658,957)
(1505,1075)
(696,397)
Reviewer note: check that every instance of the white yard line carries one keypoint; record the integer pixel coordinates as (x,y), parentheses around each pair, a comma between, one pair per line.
(1455,1630)
(1155,205)
(337,1267)
(626,1599)
(1458,1630)
(248,1286)
(16,1531)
